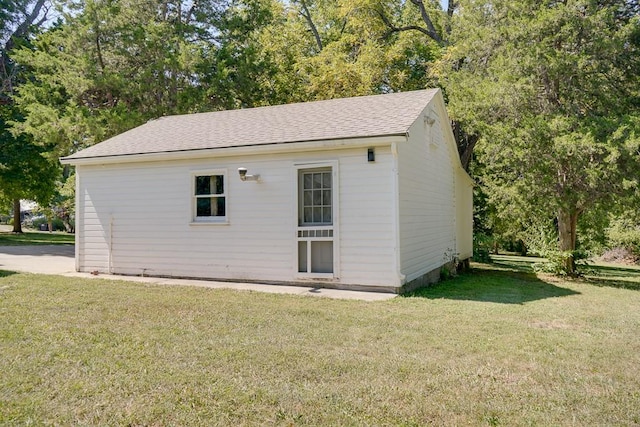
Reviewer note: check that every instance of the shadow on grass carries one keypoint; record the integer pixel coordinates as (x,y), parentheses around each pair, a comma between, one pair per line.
(613,276)
(7,273)
(498,284)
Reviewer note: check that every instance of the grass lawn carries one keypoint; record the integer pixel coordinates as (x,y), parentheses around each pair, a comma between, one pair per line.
(501,346)
(36,238)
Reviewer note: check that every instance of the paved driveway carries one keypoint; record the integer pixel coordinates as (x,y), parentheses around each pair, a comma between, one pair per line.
(45,259)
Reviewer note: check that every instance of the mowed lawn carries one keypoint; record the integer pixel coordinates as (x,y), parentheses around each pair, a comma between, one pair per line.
(29,237)
(500,346)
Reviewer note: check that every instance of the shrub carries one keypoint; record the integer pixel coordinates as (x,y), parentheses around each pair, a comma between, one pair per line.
(36,222)
(482,244)
(621,235)
(556,261)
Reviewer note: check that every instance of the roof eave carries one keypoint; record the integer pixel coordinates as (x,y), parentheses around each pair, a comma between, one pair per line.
(301,146)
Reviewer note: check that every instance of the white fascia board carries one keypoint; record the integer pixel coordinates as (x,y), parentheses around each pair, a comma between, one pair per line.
(293,147)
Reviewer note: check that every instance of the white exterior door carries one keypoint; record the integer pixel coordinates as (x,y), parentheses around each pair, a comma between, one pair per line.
(316,230)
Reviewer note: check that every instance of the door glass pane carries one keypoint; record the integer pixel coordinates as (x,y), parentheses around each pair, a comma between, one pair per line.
(308,215)
(326,215)
(308,178)
(326,179)
(316,198)
(322,257)
(326,197)
(302,257)
(317,180)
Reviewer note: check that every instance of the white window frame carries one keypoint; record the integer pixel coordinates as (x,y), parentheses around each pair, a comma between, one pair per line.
(209,220)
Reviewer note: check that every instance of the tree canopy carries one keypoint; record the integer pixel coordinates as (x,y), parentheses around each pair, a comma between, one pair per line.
(553,89)
(548,89)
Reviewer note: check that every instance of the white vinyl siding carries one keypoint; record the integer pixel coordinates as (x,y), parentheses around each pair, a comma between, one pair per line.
(367,248)
(464,212)
(426,199)
(141,214)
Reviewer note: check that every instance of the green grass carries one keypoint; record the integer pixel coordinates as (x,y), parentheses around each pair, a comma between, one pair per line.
(36,238)
(500,346)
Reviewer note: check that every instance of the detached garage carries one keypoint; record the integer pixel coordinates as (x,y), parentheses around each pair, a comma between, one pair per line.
(360,193)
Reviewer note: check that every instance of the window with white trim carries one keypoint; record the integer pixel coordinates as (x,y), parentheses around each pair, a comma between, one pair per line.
(209,197)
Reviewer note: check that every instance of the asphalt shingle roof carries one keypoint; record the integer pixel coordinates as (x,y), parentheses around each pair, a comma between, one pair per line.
(346,118)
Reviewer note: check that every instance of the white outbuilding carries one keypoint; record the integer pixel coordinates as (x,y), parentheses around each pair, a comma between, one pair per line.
(359,193)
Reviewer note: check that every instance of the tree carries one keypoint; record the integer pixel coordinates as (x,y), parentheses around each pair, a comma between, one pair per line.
(553,88)
(20,159)
(110,66)
(25,170)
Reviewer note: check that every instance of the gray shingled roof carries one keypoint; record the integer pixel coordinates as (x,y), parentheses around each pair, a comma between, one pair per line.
(365,116)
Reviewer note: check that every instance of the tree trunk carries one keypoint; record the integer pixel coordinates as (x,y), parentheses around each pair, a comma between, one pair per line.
(567,224)
(523,248)
(465,142)
(17,223)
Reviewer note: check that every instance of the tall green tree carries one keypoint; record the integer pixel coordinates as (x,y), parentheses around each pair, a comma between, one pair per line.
(553,88)
(25,172)
(110,66)
(327,49)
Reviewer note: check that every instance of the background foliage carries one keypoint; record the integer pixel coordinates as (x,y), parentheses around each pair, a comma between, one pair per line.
(544,94)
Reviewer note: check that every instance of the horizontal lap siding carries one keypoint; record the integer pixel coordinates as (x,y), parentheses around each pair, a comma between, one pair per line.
(149,207)
(464,219)
(426,194)
(366,219)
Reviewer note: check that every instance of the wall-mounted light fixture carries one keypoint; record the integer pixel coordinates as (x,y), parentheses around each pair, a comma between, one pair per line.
(244,177)
(371,155)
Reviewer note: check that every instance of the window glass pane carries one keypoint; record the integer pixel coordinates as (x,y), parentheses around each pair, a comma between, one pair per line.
(220,207)
(307,181)
(308,215)
(326,215)
(203,207)
(203,185)
(317,197)
(317,180)
(326,179)
(218,184)
(209,184)
(307,198)
(326,197)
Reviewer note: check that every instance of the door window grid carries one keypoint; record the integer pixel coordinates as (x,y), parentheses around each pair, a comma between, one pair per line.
(316,198)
